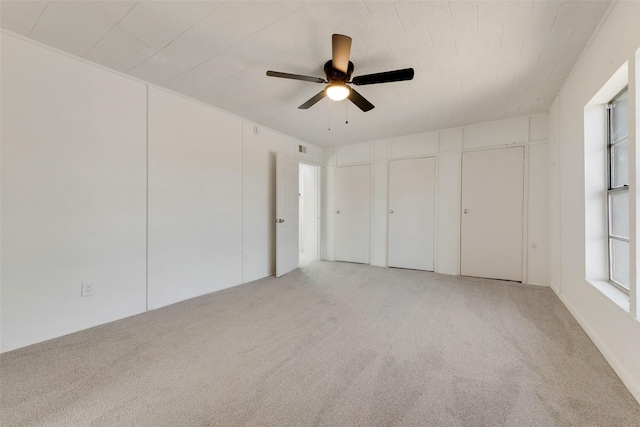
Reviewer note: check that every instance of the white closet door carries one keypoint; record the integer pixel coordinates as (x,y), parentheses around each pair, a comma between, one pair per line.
(352,214)
(411,213)
(492,205)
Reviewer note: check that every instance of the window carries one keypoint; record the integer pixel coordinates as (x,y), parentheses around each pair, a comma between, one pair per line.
(618,189)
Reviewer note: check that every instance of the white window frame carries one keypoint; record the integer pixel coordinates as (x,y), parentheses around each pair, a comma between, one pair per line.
(611,190)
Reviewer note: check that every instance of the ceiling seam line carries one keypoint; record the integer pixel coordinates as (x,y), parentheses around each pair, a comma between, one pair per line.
(110,29)
(172,41)
(395,11)
(38,20)
(225,49)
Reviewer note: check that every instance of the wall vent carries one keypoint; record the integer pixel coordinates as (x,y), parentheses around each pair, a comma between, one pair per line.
(302,149)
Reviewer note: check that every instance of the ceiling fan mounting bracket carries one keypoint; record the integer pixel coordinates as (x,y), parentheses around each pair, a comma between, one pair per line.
(334,75)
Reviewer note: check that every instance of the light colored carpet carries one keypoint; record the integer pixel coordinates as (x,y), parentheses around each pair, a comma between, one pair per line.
(330,344)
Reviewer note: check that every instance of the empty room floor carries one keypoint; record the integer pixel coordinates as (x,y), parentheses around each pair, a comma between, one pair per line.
(328,344)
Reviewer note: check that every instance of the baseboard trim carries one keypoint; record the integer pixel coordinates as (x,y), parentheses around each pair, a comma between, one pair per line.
(627,379)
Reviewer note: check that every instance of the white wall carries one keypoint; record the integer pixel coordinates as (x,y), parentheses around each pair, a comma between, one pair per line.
(308,211)
(258,195)
(446,146)
(555,256)
(195,199)
(614,329)
(258,200)
(82,149)
(448,213)
(73,194)
(537,224)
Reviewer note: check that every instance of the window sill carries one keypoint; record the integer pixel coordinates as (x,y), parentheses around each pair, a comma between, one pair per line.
(612,292)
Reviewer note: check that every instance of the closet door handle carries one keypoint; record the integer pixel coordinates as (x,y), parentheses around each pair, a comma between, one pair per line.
(391,211)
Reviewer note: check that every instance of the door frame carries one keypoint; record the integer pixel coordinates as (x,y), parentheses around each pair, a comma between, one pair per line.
(318,204)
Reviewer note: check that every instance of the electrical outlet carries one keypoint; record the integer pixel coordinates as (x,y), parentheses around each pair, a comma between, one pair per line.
(87,289)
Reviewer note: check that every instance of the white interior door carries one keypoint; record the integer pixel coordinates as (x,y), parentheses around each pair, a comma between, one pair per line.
(412,213)
(352,214)
(286,214)
(492,206)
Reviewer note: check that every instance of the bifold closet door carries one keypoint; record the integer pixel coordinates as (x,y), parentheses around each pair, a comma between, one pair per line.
(492,206)
(352,214)
(411,213)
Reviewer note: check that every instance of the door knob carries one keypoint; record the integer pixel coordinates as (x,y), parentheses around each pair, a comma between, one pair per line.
(279,220)
(391,211)
(465,211)
(337,212)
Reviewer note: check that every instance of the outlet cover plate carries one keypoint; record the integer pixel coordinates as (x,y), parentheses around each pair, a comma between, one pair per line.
(87,289)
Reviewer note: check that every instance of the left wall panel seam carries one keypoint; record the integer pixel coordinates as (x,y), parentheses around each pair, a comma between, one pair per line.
(242,203)
(146,276)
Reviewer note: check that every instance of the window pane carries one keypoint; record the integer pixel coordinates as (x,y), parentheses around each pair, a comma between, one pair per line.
(619,206)
(618,142)
(620,262)
(620,113)
(620,164)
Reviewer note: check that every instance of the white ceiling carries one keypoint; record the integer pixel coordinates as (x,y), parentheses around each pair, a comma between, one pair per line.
(474,61)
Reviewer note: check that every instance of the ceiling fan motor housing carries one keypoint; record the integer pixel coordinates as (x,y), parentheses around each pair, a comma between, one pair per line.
(334,75)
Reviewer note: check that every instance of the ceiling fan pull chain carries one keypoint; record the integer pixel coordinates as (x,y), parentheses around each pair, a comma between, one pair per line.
(329,117)
(346,113)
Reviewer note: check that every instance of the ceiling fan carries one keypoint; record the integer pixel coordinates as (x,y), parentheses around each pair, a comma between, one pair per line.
(338,72)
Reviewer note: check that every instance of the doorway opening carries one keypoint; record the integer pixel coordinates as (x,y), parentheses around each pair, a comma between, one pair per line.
(308,221)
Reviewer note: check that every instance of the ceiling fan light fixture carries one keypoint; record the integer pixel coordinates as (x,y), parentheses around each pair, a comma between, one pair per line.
(338,91)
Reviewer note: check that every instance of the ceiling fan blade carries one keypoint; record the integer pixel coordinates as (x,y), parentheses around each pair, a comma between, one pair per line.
(295,77)
(360,101)
(385,77)
(341,47)
(313,100)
